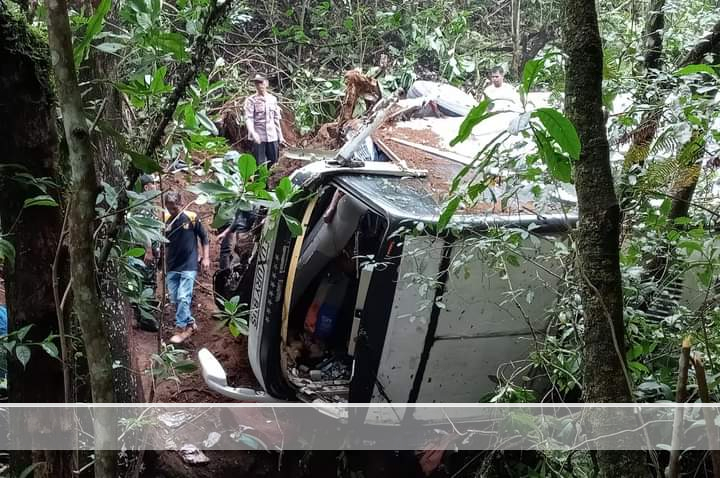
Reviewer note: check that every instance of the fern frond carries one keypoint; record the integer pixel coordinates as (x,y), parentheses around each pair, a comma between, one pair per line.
(665,142)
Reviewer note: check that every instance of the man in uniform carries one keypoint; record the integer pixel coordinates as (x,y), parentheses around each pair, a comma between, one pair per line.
(262,118)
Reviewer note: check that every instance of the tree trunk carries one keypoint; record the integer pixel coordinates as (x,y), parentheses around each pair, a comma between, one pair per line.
(102,71)
(115,309)
(518,53)
(81,220)
(30,140)
(598,232)
(654,28)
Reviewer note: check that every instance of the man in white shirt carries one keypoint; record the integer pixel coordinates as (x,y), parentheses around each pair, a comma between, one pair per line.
(502,96)
(262,118)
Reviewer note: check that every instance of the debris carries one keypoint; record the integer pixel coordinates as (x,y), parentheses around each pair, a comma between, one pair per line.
(357,86)
(450,100)
(212,440)
(174,419)
(315,375)
(192,456)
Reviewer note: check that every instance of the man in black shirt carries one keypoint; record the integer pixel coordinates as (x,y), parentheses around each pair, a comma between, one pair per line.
(182,230)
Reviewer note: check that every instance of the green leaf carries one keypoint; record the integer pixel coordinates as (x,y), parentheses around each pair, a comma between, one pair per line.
(143,163)
(203,82)
(294,225)
(212,189)
(173,43)
(207,123)
(561,130)
(530,73)
(158,80)
(7,251)
(42,200)
(691,246)
(246,166)
(448,212)
(560,167)
(473,118)
(23,352)
(135,252)
(238,327)
(284,189)
(94,26)
(694,69)
(110,47)
(23,332)
(51,349)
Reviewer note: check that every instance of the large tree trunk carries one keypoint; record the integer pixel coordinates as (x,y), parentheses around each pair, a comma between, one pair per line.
(102,69)
(605,376)
(115,309)
(81,220)
(30,140)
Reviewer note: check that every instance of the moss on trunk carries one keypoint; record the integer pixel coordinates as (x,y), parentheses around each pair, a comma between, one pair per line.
(30,141)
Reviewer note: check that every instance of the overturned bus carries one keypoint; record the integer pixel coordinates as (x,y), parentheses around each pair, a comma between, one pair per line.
(371,304)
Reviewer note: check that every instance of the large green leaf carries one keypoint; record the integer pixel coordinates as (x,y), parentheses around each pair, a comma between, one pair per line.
(135,252)
(247,165)
(42,200)
(561,130)
(284,189)
(448,212)
(530,73)
(473,118)
(293,224)
(157,85)
(94,26)
(694,69)
(207,123)
(173,43)
(558,165)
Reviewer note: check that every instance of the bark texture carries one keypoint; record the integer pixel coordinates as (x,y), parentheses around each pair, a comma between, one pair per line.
(86,301)
(598,232)
(29,139)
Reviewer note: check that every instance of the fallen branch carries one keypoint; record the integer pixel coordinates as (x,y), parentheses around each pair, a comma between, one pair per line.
(680,397)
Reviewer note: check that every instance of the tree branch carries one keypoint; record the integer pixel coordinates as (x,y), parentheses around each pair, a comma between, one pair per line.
(708,44)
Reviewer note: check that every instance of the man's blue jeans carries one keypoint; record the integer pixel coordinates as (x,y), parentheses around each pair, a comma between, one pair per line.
(180,285)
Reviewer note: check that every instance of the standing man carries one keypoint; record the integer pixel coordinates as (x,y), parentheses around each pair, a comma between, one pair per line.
(262,118)
(502,96)
(183,229)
